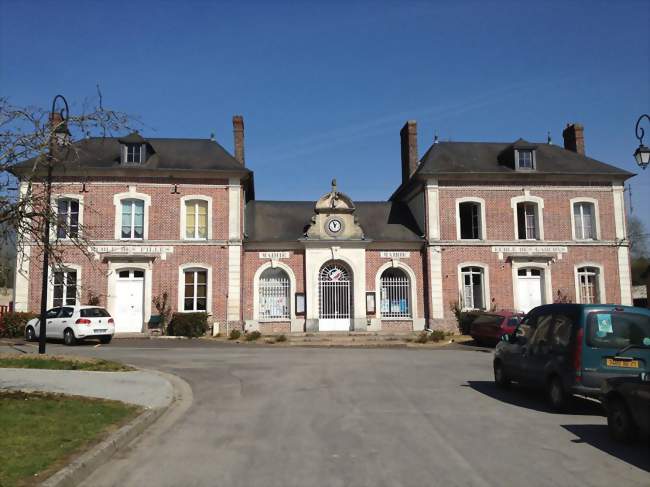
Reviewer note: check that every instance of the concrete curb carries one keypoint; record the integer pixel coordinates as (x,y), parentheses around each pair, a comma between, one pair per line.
(81,467)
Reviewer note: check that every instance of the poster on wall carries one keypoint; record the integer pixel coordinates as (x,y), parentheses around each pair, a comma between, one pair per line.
(300,304)
(370,303)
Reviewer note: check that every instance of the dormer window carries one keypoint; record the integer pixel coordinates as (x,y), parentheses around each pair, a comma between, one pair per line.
(134,149)
(133,154)
(525,159)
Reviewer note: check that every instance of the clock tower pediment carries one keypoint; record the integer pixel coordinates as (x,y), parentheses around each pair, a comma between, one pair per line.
(334,218)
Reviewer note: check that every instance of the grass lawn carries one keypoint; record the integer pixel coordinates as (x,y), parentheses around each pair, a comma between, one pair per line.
(30,361)
(41,431)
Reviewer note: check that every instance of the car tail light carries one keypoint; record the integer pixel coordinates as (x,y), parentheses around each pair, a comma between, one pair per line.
(83,321)
(577,354)
(110,321)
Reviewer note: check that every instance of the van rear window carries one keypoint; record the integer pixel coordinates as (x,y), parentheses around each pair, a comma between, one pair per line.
(618,330)
(93,313)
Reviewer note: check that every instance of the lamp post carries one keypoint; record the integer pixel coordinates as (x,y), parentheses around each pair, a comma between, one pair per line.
(642,153)
(58,139)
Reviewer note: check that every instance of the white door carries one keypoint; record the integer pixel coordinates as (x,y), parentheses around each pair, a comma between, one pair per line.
(529,289)
(129,301)
(334,298)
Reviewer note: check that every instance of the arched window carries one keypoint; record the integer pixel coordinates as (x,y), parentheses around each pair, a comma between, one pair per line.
(473,288)
(274,294)
(395,295)
(589,285)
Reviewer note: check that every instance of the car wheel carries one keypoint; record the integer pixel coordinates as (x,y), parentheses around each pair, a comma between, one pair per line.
(105,340)
(30,334)
(69,338)
(500,377)
(557,396)
(619,421)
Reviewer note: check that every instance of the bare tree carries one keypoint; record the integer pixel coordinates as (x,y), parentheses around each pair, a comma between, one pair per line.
(637,235)
(35,143)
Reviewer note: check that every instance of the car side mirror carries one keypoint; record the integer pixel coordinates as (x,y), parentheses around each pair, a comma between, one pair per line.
(645,376)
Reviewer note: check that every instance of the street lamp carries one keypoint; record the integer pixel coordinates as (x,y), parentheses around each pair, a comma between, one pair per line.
(642,153)
(58,139)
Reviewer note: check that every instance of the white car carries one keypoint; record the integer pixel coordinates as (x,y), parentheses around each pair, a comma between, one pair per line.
(72,323)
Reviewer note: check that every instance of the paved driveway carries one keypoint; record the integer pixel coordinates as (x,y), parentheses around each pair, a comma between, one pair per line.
(359,417)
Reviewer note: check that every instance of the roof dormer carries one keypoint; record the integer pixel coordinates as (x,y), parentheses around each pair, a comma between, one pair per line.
(134,149)
(524,155)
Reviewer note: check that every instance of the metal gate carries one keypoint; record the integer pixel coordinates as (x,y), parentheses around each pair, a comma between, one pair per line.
(334,298)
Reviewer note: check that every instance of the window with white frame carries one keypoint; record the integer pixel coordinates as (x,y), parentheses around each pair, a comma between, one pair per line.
(395,294)
(473,288)
(589,284)
(67,225)
(527,221)
(65,288)
(525,159)
(584,219)
(469,216)
(132,219)
(196,219)
(195,294)
(133,154)
(274,294)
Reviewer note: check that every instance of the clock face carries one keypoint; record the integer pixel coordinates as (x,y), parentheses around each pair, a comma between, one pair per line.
(334,225)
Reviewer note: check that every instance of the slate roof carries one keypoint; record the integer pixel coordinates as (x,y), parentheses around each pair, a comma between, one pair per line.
(285,221)
(493,157)
(179,154)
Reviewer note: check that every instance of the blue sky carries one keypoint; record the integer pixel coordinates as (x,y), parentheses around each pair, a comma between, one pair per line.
(324,87)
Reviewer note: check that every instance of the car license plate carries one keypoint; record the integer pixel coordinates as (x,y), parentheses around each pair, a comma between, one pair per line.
(628,364)
(102,330)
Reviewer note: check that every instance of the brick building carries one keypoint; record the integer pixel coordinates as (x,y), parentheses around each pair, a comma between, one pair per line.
(480,225)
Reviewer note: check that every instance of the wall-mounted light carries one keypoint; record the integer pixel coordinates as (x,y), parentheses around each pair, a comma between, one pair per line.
(175,190)
(642,153)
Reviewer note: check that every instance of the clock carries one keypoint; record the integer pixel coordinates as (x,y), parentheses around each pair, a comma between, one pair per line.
(334,225)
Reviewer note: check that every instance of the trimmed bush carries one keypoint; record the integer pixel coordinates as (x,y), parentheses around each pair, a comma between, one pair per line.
(12,325)
(252,336)
(189,325)
(437,335)
(281,338)
(234,335)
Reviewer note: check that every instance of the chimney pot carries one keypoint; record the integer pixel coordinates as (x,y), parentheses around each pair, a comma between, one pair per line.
(409,146)
(574,138)
(238,131)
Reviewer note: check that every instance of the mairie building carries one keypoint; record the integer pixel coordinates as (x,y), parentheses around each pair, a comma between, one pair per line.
(471,225)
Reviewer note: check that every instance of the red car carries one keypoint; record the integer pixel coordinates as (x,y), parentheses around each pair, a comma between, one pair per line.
(487,328)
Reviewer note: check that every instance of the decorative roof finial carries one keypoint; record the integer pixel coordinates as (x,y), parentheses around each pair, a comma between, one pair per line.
(212,136)
(548,137)
(334,190)
(435,137)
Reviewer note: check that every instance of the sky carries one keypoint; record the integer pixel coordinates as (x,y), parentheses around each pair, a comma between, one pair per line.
(324,87)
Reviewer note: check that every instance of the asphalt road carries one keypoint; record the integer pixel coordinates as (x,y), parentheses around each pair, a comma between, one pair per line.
(283,417)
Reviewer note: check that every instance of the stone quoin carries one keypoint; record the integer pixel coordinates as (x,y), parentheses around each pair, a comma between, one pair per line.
(474,225)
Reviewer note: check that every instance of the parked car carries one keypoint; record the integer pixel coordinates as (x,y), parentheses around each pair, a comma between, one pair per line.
(572,348)
(487,328)
(73,323)
(627,403)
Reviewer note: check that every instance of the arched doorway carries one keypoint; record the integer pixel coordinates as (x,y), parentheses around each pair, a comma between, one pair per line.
(335,297)
(129,303)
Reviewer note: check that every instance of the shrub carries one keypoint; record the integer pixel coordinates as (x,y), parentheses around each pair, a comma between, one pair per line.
(437,335)
(234,335)
(252,336)
(12,325)
(188,324)
(423,337)
(281,338)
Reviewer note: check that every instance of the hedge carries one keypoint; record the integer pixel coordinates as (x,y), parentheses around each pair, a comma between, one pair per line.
(188,324)
(12,325)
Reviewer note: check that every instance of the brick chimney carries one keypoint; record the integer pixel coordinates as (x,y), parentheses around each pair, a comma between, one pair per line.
(574,138)
(238,130)
(409,139)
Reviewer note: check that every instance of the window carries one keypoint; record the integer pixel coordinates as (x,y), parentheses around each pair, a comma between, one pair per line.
(473,291)
(539,342)
(94,313)
(52,313)
(196,219)
(395,294)
(132,219)
(562,329)
(67,218)
(66,312)
(525,159)
(65,288)
(133,154)
(588,284)
(196,290)
(584,221)
(527,221)
(618,329)
(274,294)
(470,220)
